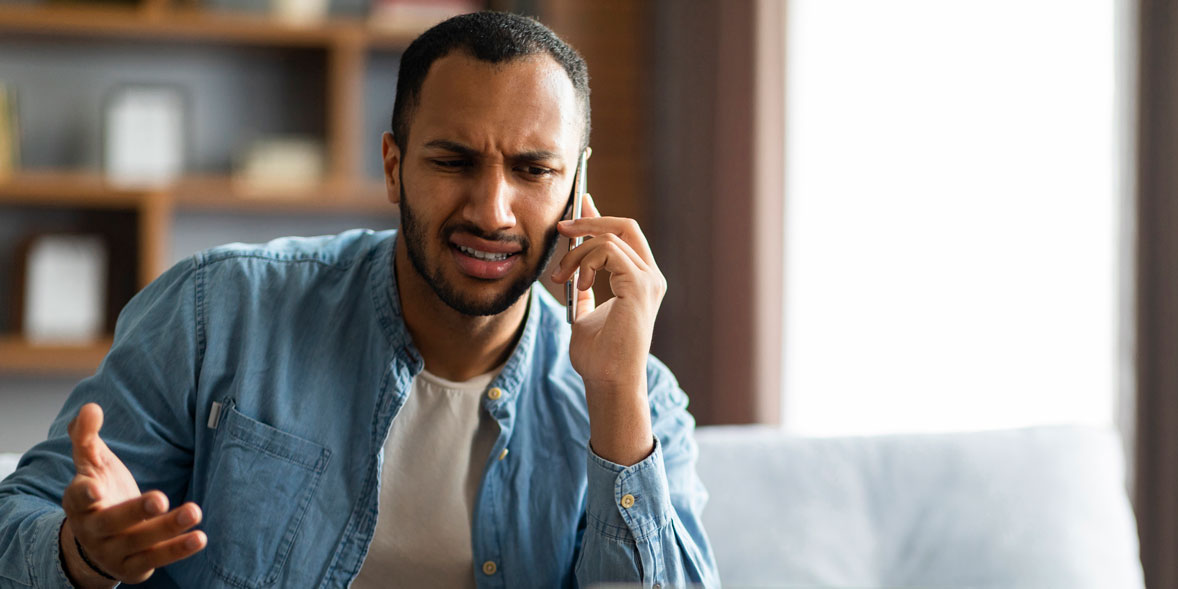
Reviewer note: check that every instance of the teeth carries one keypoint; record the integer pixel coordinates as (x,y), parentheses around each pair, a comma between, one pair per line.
(483,255)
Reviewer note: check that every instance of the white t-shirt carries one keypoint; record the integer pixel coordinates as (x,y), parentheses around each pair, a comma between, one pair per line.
(434,458)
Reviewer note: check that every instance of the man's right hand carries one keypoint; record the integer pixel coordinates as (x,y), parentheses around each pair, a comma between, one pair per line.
(125,533)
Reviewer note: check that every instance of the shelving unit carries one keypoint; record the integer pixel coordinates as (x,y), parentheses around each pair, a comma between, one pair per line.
(344,190)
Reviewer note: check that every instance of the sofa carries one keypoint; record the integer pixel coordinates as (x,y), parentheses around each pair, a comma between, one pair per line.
(1038,508)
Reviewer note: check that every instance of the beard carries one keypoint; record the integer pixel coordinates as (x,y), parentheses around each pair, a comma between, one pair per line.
(449,293)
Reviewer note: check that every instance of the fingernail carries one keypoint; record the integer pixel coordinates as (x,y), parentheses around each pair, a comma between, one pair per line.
(192,543)
(186,517)
(153,506)
(90,494)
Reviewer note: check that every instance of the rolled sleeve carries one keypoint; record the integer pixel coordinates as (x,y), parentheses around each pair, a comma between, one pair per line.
(643,522)
(39,546)
(628,503)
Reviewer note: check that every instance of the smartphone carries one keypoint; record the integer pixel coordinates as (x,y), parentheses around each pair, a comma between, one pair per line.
(580,185)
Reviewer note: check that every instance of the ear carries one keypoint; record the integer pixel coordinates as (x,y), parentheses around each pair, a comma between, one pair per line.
(391,154)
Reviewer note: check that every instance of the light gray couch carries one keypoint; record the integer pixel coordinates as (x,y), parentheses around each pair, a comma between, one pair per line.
(1038,508)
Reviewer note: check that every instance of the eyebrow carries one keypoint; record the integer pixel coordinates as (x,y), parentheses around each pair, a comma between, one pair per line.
(535,155)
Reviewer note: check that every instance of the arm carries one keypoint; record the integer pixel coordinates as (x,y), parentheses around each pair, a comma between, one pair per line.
(659,538)
(145,387)
(644,499)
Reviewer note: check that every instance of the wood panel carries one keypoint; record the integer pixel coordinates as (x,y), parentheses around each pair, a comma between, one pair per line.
(1156,484)
(19,356)
(154,23)
(609,35)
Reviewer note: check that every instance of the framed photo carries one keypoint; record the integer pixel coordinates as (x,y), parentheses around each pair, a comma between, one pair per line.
(61,298)
(144,134)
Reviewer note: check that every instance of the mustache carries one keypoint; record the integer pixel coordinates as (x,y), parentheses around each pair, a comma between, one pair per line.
(476,231)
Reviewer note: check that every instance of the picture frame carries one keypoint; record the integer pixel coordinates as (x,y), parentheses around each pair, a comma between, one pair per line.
(62,287)
(145,134)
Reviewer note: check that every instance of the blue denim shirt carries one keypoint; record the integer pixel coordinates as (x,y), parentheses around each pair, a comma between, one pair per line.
(261,382)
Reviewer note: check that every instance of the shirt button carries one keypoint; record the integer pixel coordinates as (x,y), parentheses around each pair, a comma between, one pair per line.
(495,393)
(489,568)
(503,454)
(627,501)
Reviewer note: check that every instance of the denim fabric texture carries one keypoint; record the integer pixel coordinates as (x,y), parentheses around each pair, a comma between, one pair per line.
(297,351)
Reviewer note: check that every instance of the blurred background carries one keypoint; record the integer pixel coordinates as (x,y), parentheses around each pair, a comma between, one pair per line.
(875,217)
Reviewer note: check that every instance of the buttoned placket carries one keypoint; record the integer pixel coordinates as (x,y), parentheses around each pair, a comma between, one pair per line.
(488,552)
(349,556)
(491,511)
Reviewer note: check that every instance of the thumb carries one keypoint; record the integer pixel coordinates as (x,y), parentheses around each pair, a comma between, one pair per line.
(87,446)
(588,207)
(586,302)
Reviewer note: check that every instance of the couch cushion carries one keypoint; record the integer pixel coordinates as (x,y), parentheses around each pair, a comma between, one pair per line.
(1036,508)
(8,464)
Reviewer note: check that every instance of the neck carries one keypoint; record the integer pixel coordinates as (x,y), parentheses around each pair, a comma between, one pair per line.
(453,345)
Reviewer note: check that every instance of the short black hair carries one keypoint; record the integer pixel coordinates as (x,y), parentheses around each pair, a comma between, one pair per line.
(493,37)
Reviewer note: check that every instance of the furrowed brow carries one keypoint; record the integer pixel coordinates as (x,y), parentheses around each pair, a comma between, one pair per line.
(532,156)
(454,147)
(537,155)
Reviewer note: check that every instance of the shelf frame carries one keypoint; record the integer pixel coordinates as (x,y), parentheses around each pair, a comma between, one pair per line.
(155,21)
(19,356)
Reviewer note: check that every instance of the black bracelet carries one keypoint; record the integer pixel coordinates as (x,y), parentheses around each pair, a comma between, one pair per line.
(90,563)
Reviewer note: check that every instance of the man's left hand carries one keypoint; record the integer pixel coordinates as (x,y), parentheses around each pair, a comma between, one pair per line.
(610,342)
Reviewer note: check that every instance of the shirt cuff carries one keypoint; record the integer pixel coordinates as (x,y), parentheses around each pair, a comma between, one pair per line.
(45,566)
(630,503)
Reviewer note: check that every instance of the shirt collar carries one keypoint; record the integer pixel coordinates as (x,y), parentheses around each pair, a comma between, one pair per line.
(388,309)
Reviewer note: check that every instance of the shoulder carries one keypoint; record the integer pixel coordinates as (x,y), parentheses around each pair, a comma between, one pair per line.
(288,277)
(340,251)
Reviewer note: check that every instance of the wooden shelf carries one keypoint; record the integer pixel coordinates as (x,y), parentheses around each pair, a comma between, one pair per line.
(225,194)
(73,189)
(196,192)
(18,355)
(146,22)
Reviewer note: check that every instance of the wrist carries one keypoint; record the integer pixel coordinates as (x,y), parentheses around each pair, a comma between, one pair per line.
(80,574)
(619,423)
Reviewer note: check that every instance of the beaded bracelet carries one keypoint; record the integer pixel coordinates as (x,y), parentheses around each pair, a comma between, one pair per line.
(90,563)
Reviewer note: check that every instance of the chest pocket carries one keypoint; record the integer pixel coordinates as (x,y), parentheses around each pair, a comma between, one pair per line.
(258,492)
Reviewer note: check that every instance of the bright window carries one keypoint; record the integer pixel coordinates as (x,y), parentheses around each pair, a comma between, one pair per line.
(952,228)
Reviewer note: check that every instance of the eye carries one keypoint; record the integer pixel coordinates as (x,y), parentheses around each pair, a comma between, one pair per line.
(451,164)
(535,171)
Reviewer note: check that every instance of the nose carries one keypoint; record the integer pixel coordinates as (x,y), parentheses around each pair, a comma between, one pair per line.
(489,203)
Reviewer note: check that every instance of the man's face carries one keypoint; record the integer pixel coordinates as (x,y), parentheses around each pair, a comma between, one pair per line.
(486,175)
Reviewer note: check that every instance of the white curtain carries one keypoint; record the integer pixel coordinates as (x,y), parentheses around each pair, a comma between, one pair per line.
(952,215)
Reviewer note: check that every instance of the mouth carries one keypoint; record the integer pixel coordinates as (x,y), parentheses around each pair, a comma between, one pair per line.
(484,260)
(481,255)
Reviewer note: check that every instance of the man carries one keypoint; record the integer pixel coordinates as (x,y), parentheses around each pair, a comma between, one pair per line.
(390,409)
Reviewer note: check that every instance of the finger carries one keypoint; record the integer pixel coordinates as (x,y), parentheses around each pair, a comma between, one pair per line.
(586,302)
(610,254)
(80,496)
(83,432)
(165,553)
(589,208)
(627,229)
(576,259)
(160,529)
(118,518)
